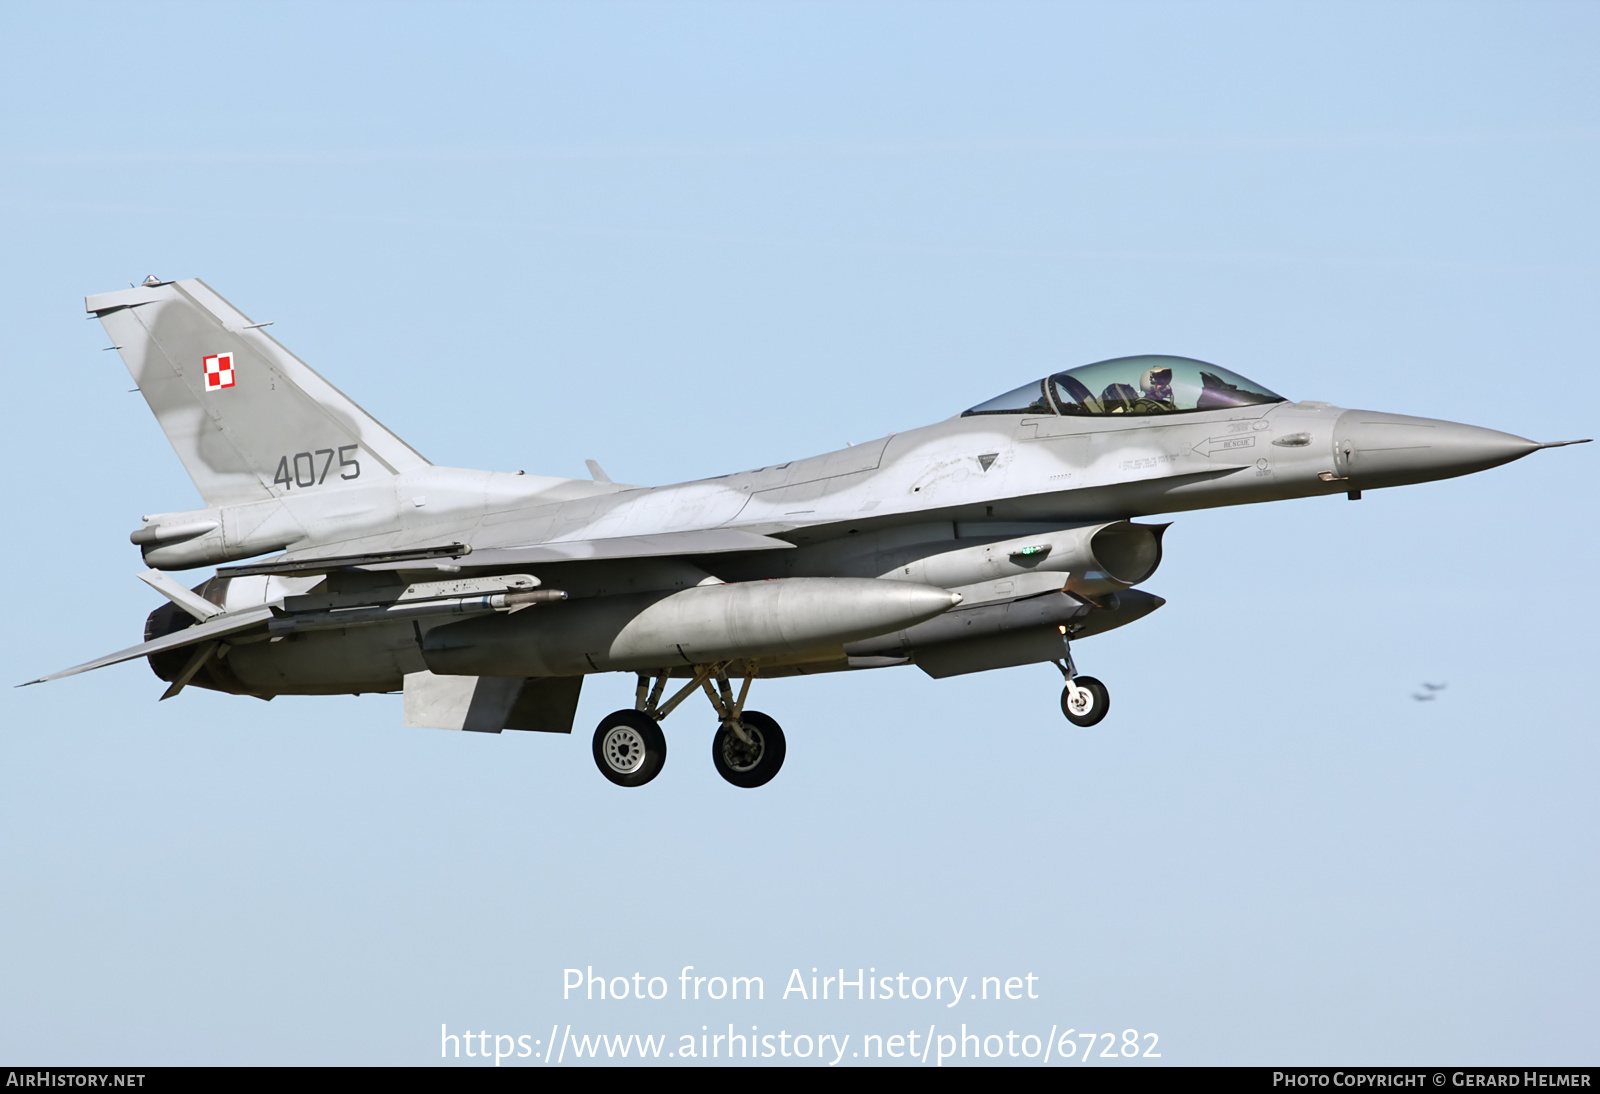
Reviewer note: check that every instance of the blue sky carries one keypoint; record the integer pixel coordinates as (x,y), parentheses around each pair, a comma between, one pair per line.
(685,239)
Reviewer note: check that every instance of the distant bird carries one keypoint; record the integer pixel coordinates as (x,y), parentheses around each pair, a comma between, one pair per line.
(1434,687)
(1431,694)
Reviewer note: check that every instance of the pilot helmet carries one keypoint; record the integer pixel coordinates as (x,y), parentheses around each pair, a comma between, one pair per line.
(1156,381)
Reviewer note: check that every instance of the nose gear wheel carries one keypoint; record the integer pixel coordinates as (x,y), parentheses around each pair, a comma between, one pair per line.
(1085,701)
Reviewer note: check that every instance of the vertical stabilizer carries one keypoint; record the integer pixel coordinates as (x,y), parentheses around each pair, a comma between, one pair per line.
(249,419)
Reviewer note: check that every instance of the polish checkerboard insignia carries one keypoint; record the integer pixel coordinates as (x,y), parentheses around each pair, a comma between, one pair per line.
(219,371)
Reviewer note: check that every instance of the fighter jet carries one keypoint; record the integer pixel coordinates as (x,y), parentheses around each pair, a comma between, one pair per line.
(998,537)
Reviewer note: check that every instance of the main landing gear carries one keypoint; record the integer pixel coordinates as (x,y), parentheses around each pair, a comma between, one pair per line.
(750,759)
(629,747)
(747,750)
(1084,700)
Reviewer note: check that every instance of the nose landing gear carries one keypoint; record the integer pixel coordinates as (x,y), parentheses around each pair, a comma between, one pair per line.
(1084,700)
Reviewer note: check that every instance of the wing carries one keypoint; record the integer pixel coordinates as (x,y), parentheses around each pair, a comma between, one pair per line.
(709,541)
(455,556)
(452,557)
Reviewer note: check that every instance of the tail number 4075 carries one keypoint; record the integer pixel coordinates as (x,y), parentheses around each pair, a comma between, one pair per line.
(311,468)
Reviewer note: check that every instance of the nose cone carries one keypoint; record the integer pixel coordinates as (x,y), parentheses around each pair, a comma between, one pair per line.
(1374,449)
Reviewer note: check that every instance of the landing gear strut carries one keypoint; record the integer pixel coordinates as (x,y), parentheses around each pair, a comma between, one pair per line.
(1084,700)
(747,750)
(629,747)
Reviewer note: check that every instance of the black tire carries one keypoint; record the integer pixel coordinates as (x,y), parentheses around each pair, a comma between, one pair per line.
(754,764)
(629,747)
(1099,706)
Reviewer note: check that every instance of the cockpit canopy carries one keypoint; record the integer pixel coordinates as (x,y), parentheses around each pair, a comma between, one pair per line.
(1152,384)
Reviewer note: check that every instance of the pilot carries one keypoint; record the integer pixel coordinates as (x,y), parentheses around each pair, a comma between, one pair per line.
(1156,384)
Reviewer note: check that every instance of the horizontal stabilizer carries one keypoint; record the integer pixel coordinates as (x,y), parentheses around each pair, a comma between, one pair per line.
(200,632)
